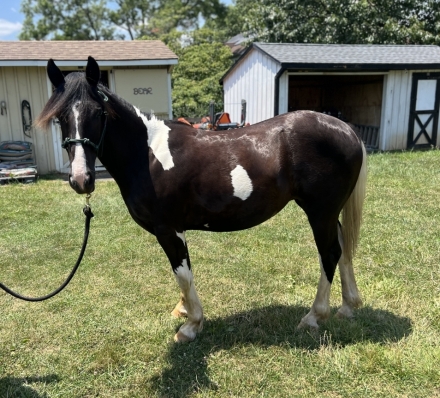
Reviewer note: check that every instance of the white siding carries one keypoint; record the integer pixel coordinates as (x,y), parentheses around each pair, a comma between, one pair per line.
(395,110)
(253,80)
(283,93)
(26,83)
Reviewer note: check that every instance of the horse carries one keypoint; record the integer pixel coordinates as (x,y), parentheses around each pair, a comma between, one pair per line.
(174,178)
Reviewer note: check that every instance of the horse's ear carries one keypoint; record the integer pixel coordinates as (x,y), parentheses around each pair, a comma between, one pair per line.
(54,73)
(93,74)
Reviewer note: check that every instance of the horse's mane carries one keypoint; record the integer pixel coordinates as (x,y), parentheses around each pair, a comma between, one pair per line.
(76,88)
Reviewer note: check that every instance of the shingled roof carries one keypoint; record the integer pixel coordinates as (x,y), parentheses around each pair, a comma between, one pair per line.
(367,54)
(346,57)
(135,52)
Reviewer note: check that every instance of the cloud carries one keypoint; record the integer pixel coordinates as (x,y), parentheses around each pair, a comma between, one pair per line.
(7,27)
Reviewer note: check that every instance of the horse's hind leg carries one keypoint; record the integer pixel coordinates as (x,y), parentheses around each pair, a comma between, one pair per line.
(174,245)
(326,238)
(350,293)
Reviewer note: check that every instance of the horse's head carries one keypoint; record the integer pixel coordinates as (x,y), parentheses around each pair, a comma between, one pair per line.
(80,106)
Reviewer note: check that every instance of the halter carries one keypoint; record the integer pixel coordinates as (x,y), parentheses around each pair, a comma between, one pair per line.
(85,141)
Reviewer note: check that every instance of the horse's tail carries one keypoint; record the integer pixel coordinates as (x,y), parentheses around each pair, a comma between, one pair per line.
(352,212)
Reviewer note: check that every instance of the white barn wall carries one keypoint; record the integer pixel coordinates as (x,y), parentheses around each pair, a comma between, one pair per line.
(254,81)
(26,83)
(395,109)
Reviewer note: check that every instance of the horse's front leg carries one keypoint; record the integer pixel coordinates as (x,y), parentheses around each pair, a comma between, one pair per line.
(174,245)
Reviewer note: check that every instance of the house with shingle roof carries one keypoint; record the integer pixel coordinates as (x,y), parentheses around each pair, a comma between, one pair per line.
(390,93)
(139,71)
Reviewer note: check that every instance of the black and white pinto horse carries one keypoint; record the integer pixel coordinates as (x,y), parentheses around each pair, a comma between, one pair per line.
(174,178)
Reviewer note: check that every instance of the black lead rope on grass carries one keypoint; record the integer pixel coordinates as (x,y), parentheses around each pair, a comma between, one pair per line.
(88,213)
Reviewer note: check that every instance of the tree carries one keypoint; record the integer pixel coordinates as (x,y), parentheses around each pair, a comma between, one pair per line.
(66,20)
(186,14)
(346,21)
(94,20)
(133,16)
(196,78)
(234,20)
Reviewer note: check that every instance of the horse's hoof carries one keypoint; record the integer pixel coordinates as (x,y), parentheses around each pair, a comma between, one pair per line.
(188,331)
(308,323)
(304,325)
(179,337)
(344,313)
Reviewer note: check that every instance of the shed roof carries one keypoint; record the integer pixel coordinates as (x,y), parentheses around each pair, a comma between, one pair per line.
(287,53)
(347,57)
(111,52)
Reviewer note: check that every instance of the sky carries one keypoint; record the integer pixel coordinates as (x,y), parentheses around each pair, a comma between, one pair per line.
(11,19)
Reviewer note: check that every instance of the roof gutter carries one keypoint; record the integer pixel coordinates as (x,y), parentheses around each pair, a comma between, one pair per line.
(356,67)
(143,62)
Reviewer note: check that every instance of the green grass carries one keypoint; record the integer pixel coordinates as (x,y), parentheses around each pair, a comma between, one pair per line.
(109,334)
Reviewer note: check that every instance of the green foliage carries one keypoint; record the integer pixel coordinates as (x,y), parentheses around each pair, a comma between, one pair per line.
(133,16)
(235,19)
(185,15)
(196,77)
(346,21)
(95,20)
(66,20)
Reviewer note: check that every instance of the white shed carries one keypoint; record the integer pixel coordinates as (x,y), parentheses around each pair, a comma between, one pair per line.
(390,92)
(139,71)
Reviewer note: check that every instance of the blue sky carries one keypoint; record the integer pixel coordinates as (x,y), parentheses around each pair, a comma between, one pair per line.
(11,19)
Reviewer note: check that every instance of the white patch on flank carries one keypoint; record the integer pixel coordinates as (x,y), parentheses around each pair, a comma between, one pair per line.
(241,183)
(181,236)
(207,225)
(79,164)
(158,134)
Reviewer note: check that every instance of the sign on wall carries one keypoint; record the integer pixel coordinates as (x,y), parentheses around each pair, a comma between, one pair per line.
(147,89)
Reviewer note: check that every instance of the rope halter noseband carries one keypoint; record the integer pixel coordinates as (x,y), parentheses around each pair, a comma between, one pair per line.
(85,141)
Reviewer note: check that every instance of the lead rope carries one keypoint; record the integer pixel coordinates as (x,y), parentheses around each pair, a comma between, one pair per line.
(88,213)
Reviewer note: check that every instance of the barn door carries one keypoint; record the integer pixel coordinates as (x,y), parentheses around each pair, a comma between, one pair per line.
(424,110)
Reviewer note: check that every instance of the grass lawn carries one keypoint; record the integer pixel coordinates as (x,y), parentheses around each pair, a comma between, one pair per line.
(109,334)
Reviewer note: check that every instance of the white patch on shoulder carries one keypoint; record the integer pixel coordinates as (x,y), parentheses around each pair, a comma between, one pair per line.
(79,163)
(158,134)
(241,183)
(181,236)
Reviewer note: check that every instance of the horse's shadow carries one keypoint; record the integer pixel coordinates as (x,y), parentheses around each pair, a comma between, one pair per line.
(18,386)
(264,327)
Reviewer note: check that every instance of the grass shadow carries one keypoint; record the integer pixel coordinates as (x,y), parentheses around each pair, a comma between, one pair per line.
(265,327)
(18,387)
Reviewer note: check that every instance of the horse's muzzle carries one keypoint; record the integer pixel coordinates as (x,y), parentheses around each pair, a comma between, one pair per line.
(83,183)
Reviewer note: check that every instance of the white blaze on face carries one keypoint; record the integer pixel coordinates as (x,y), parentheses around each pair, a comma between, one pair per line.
(79,164)
(241,183)
(158,134)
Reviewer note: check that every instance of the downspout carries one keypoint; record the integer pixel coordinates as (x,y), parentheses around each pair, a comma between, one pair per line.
(276,110)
